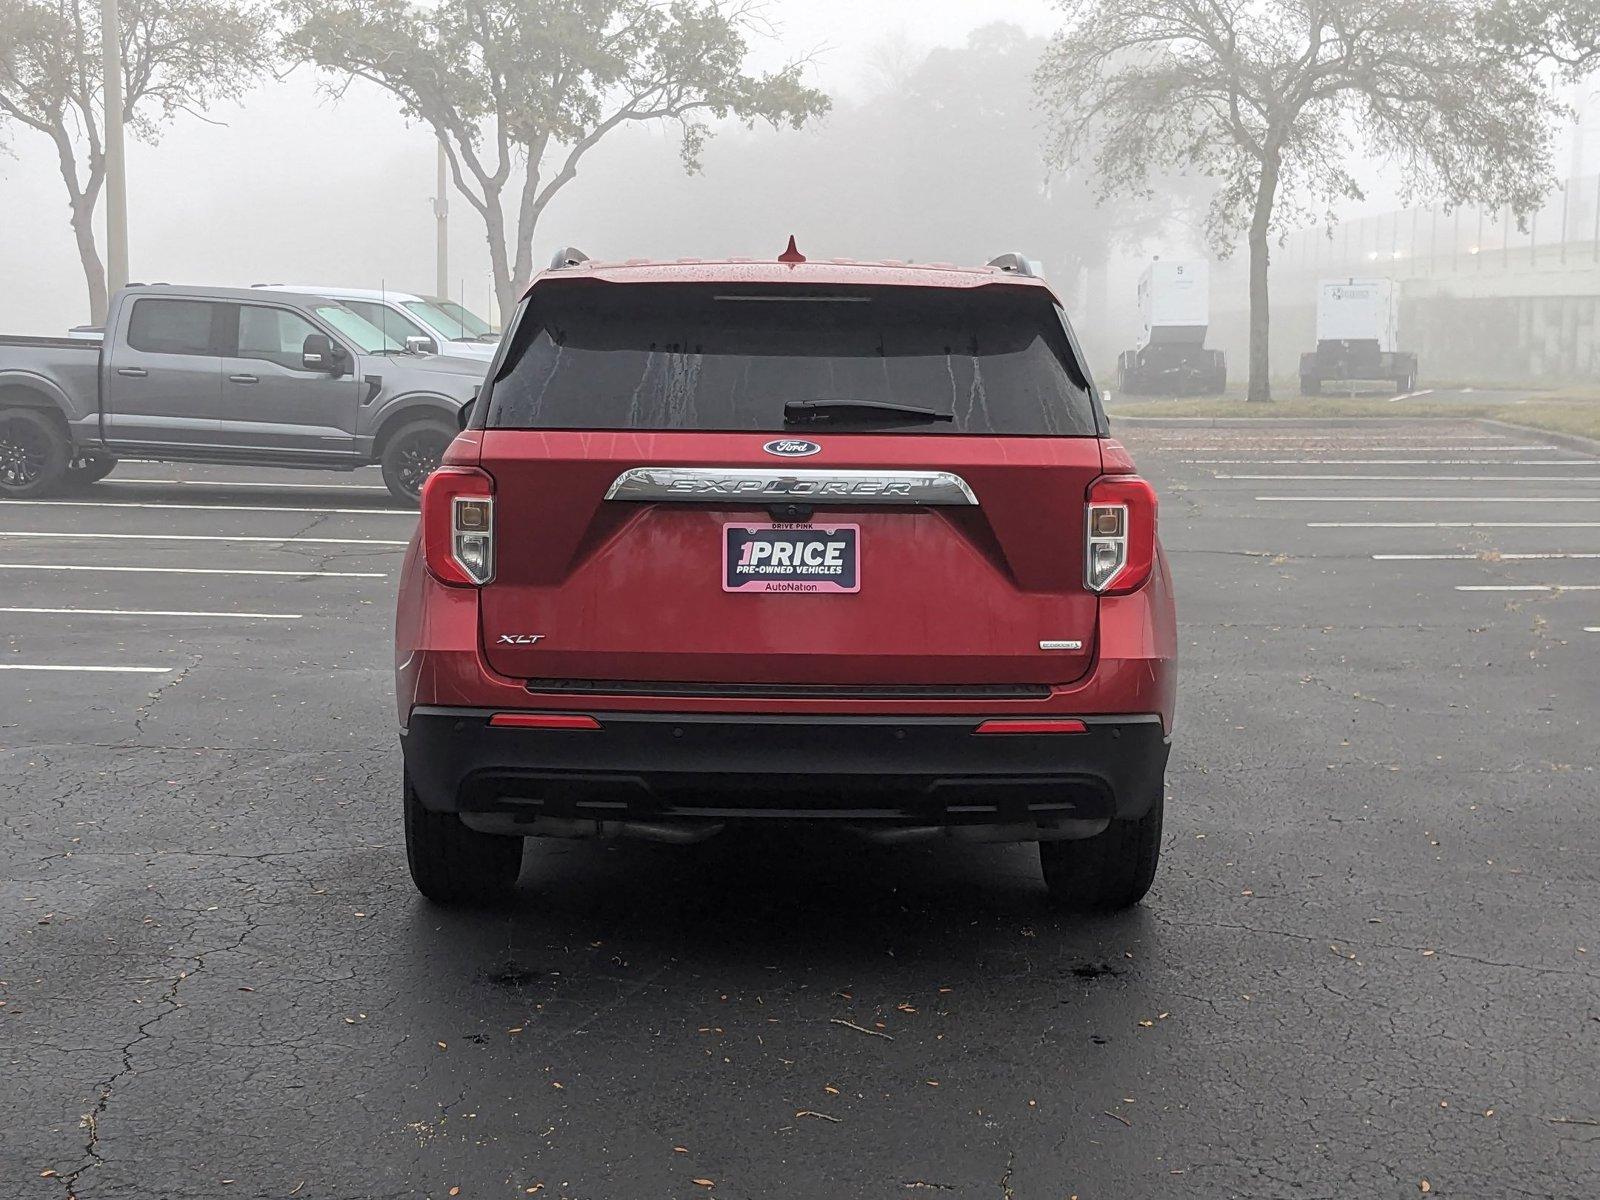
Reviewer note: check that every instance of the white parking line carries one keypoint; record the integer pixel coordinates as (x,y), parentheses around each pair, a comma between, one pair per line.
(1591,628)
(229,483)
(1441,478)
(192,571)
(143,612)
(1390,462)
(1436,499)
(1453,524)
(286,540)
(1351,436)
(1358,447)
(362,512)
(106,670)
(1528,587)
(1497,557)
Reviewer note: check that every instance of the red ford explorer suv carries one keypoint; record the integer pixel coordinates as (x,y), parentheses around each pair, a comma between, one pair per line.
(729,542)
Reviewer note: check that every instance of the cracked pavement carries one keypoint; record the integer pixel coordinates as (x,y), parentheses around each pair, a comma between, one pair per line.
(1369,959)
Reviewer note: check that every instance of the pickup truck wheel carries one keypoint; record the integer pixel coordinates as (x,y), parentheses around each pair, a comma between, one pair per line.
(89,468)
(451,864)
(33,453)
(412,454)
(1108,872)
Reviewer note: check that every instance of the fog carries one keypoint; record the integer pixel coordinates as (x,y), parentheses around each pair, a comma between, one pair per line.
(293,184)
(934,151)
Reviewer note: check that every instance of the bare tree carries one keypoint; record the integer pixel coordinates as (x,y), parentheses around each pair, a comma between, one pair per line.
(507,84)
(178,56)
(892,62)
(1273,98)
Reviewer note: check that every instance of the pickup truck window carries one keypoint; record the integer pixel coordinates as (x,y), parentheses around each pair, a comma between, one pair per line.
(447,325)
(469,324)
(172,327)
(273,334)
(394,326)
(367,336)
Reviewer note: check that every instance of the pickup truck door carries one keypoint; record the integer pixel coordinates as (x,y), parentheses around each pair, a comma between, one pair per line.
(271,402)
(163,374)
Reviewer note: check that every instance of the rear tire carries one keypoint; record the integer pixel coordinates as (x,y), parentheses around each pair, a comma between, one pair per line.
(411,455)
(454,865)
(1108,872)
(34,451)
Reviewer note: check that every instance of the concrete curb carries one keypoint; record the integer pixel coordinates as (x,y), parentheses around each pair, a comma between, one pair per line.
(1567,441)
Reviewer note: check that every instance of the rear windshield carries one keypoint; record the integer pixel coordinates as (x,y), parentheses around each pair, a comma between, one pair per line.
(588,355)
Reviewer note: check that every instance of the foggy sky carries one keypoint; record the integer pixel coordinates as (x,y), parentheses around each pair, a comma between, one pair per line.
(296,186)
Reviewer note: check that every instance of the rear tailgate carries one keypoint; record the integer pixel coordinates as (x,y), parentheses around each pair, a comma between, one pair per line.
(590,590)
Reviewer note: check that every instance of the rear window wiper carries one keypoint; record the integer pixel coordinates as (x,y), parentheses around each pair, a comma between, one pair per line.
(802,412)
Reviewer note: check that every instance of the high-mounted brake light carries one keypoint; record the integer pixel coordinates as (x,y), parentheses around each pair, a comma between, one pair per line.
(1120,541)
(458,526)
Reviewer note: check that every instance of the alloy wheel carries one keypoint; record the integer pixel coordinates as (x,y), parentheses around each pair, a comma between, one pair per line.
(24,453)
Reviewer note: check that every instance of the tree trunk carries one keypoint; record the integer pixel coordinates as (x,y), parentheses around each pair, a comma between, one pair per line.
(94,271)
(505,291)
(81,202)
(1260,256)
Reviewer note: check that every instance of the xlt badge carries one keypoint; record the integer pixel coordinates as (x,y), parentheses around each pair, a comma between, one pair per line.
(520,639)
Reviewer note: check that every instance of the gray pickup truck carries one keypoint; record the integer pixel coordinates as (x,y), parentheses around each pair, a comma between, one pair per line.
(226,375)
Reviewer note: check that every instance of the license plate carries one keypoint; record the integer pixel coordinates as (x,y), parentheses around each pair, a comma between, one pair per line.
(791,558)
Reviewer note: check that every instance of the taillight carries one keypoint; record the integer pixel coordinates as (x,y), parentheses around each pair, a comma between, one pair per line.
(1120,547)
(458,526)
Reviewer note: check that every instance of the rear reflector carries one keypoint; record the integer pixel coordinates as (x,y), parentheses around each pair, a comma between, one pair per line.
(514,720)
(1032,727)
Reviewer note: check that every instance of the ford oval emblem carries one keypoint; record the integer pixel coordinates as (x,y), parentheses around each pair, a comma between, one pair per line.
(792,448)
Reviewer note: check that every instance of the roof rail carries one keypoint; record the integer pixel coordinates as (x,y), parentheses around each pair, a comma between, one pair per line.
(1016,264)
(568,256)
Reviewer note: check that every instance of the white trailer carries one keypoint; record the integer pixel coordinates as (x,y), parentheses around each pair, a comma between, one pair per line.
(1358,335)
(1175,312)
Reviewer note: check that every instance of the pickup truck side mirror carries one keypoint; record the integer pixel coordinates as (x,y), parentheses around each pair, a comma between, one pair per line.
(319,353)
(316,352)
(417,344)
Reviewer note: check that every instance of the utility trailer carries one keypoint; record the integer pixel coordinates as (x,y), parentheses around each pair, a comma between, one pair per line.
(1175,311)
(1357,337)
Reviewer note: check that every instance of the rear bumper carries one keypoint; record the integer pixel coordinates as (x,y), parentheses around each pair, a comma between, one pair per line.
(887,770)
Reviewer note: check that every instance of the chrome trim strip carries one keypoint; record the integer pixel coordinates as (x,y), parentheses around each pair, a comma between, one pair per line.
(711,485)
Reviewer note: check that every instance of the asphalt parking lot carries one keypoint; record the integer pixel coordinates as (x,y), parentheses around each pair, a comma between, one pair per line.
(1368,967)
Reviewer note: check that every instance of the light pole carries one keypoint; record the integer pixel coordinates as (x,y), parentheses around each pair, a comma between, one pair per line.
(116,171)
(441,216)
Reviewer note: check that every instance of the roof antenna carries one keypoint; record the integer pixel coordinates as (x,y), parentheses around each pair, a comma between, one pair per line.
(792,254)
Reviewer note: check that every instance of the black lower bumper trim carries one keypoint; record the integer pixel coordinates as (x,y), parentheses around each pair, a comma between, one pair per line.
(650,766)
